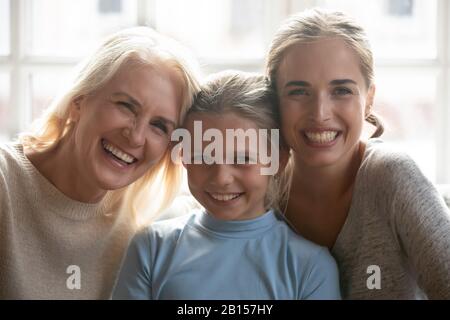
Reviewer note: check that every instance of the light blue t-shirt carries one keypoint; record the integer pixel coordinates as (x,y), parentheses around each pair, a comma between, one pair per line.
(201,257)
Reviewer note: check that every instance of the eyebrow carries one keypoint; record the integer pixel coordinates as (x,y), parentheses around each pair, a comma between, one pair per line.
(167,121)
(342,81)
(301,83)
(136,103)
(298,83)
(130,98)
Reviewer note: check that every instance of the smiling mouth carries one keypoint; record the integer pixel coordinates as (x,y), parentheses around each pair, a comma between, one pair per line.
(224,197)
(118,154)
(322,137)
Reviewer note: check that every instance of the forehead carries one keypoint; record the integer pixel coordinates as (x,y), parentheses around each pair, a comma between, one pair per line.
(321,60)
(134,75)
(222,121)
(155,86)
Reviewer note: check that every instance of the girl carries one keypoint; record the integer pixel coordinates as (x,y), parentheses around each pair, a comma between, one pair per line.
(384,222)
(238,247)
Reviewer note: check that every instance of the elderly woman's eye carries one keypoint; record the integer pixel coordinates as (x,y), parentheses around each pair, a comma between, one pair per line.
(125,105)
(160,125)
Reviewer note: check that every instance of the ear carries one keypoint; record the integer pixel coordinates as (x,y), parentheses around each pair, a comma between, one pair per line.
(75,109)
(369,100)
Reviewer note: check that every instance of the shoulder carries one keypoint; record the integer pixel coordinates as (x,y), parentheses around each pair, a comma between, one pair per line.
(317,267)
(9,153)
(384,166)
(13,162)
(10,163)
(302,248)
(164,230)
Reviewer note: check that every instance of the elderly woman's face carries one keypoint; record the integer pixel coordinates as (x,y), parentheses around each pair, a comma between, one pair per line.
(124,129)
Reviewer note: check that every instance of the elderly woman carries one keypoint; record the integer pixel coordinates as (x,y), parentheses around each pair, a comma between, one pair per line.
(70,191)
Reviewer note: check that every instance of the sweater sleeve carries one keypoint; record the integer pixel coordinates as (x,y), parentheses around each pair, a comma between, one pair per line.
(134,282)
(421,223)
(323,280)
(3,188)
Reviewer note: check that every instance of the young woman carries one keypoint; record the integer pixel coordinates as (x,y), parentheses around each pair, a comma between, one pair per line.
(238,247)
(383,221)
(69,190)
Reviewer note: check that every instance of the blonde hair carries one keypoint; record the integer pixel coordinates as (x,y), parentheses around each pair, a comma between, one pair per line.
(247,95)
(315,24)
(144,46)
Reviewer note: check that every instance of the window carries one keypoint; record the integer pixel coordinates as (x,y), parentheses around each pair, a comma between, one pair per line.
(397,29)
(5,108)
(216,30)
(80,24)
(410,41)
(4,27)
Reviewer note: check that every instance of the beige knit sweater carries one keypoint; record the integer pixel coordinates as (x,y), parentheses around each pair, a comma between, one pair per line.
(52,247)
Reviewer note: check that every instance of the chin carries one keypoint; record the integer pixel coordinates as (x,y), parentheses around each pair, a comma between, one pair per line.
(114,183)
(319,161)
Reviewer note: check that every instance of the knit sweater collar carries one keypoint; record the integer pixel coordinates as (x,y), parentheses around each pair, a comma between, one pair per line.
(238,228)
(47,195)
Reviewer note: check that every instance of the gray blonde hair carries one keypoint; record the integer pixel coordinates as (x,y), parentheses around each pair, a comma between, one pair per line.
(138,45)
(248,95)
(315,24)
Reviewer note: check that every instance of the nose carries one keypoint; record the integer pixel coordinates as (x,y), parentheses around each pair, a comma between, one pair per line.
(321,108)
(135,134)
(221,175)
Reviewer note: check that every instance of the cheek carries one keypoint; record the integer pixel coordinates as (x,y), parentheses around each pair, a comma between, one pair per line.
(156,148)
(354,116)
(254,179)
(196,175)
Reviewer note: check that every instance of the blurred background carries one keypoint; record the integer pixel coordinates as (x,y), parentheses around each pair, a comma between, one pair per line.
(42,40)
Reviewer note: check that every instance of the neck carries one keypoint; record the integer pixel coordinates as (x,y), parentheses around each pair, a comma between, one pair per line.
(328,183)
(60,166)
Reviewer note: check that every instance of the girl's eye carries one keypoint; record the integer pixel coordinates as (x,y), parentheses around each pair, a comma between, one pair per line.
(242,159)
(342,91)
(298,92)
(160,125)
(197,158)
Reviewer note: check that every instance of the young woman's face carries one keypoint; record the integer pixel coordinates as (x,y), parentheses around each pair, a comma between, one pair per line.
(323,101)
(227,191)
(124,128)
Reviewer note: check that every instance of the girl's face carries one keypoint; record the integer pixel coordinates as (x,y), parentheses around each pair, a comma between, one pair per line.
(323,101)
(227,191)
(124,128)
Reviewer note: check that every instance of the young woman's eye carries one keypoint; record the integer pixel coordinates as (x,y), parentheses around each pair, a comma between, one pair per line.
(160,125)
(298,92)
(342,91)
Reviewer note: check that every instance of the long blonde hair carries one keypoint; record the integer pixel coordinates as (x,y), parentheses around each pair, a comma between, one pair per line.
(314,24)
(152,192)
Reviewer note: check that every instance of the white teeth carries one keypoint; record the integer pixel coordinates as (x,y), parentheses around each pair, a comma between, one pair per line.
(321,137)
(119,154)
(225,197)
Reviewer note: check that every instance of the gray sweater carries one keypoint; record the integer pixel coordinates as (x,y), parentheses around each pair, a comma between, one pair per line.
(395,243)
